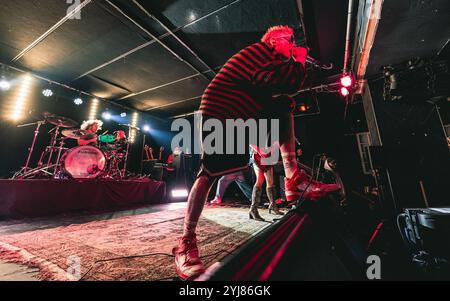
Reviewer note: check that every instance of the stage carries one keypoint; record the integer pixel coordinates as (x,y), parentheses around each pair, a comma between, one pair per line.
(32,198)
(122,245)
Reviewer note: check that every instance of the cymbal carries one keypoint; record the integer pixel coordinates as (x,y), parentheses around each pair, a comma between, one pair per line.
(74,133)
(61,121)
(130,126)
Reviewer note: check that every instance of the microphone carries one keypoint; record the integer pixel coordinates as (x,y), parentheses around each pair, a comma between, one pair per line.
(318,64)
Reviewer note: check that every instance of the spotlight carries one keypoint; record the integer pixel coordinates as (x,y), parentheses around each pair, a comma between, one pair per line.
(47,92)
(78,101)
(346,81)
(22,98)
(180,193)
(4,84)
(93,110)
(303,108)
(106,115)
(123,115)
(146,128)
(134,122)
(344,91)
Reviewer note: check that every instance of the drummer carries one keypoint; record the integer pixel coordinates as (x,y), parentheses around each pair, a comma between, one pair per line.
(91,127)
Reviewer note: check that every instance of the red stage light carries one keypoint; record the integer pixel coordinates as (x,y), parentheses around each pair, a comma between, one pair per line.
(344,91)
(302,108)
(346,81)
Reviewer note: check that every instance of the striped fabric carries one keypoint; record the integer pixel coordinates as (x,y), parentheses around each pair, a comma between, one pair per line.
(244,86)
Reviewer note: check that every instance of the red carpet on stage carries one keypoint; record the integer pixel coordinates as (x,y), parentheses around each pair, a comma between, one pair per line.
(48,197)
(147,238)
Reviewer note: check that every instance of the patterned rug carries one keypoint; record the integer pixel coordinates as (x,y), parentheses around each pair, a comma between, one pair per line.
(98,248)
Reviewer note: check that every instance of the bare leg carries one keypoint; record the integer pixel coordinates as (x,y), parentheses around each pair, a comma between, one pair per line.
(196,201)
(287,145)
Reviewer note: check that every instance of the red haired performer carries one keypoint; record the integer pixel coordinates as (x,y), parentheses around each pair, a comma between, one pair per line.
(245,88)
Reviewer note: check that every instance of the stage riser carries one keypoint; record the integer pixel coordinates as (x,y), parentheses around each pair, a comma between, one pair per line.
(31,198)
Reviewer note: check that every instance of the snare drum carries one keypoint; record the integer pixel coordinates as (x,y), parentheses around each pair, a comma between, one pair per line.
(84,162)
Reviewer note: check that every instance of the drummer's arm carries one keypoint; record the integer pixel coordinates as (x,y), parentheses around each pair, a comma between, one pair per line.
(83,142)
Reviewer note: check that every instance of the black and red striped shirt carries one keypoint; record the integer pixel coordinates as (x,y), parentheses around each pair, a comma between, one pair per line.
(245,84)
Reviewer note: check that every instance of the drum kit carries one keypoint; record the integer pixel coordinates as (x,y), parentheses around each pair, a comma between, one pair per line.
(104,160)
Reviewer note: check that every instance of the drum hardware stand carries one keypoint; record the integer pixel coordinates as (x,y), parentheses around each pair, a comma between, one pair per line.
(58,158)
(55,131)
(124,170)
(24,170)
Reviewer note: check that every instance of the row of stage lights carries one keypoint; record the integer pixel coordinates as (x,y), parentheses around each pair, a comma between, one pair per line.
(17,109)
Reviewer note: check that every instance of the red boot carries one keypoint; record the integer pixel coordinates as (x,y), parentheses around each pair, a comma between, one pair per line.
(295,186)
(187,261)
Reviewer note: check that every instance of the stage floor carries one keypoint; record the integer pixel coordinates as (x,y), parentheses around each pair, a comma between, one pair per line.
(122,245)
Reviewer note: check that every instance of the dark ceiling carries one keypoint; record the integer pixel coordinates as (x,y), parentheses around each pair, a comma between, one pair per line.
(111,51)
(409,28)
(122,50)
(107,54)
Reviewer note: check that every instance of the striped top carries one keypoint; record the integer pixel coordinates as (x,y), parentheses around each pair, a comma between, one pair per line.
(244,86)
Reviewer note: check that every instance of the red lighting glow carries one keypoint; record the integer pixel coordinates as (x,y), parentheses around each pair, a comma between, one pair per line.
(346,81)
(344,91)
(302,108)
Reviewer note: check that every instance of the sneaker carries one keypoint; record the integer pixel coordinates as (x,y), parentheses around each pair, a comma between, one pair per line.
(295,186)
(187,261)
(279,201)
(216,201)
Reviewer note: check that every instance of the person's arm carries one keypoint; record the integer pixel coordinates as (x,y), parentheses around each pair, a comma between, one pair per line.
(282,77)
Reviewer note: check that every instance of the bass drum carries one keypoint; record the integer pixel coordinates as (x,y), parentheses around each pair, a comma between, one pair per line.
(84,162)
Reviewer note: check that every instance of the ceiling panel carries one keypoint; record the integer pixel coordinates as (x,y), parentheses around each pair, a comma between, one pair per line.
(146,68)
(183,90)
(221,35)
(23,21)
(180,13)
(80,45)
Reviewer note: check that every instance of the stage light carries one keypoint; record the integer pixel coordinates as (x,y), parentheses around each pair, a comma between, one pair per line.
(134,122)
(106,115)
(123,115)
(303,108)
(78,101)
(344,91)
(346,81)
(146,128)
(47,93)
(180,193)
(21,98)
(4,84)
(93,109)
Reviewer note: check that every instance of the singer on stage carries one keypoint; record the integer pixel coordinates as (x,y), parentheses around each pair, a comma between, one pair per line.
(245,88)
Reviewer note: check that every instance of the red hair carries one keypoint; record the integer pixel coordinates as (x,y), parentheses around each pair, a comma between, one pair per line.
(275,31)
